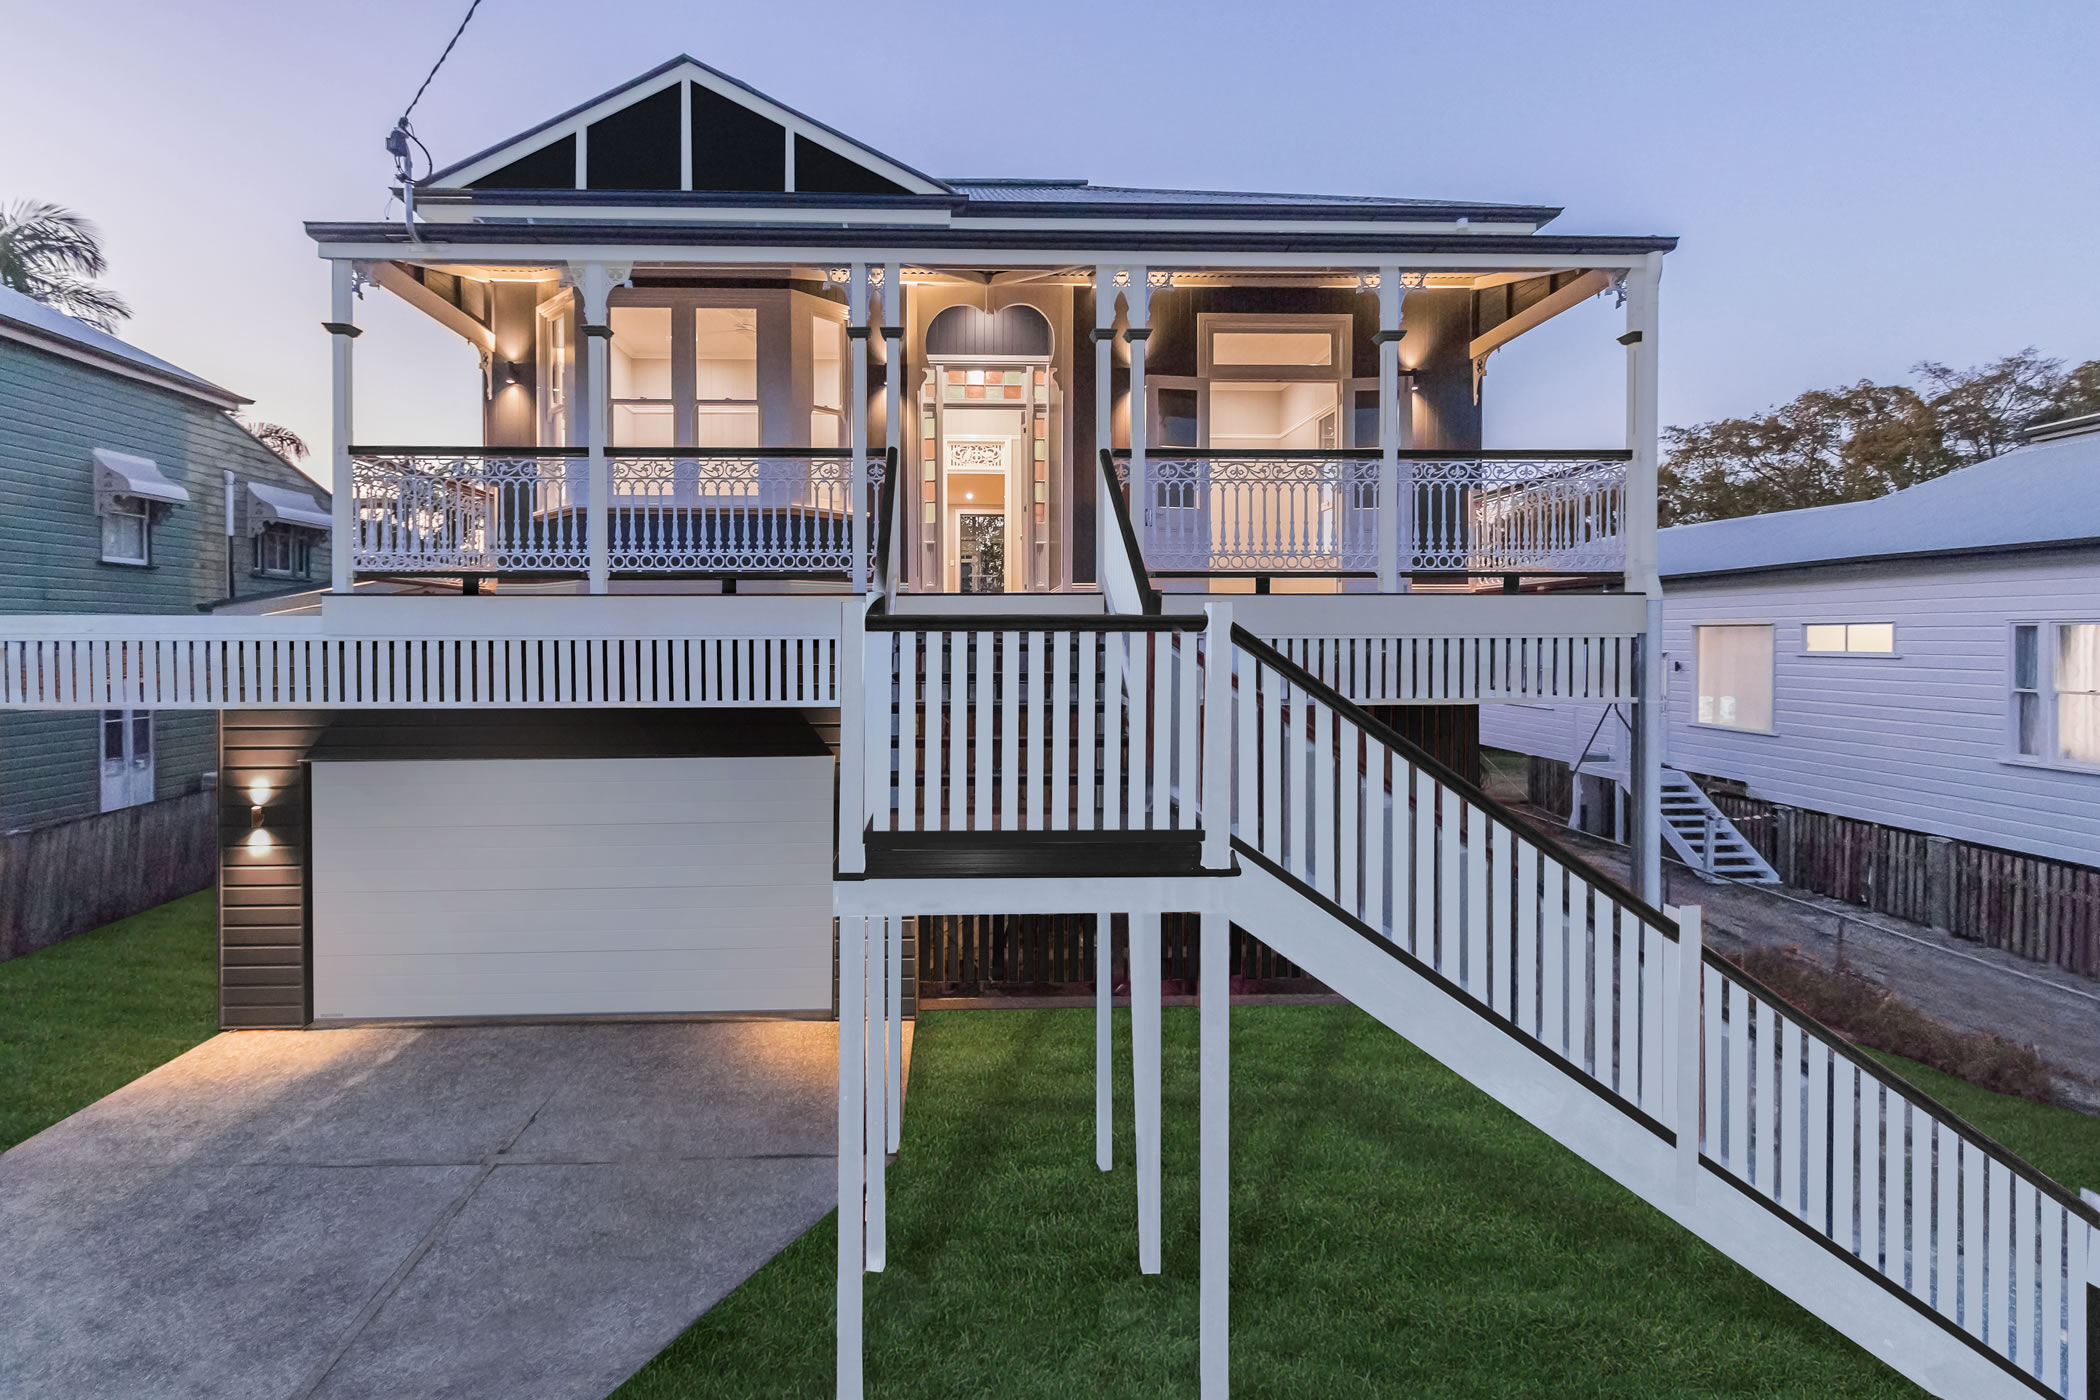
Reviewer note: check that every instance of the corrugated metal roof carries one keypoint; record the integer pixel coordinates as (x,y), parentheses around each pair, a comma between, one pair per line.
(1003,191)
(2042,494)
(34,315)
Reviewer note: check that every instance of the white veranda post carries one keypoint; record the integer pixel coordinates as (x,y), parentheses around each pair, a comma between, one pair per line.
(1144,1076)
(1392,517)
(852,1162)
(342,330)
(857,334)
(595,282)
(1104,1042)
(1104,415)
(1214,1112)
(1642,440)
(1137,332)
(892,403)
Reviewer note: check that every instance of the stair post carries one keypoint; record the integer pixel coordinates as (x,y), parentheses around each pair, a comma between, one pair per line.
(1217,737)
(1689,1038)
(1214,1109)
(853,735)
(1706,852)
(1144,1075)
(852,1161)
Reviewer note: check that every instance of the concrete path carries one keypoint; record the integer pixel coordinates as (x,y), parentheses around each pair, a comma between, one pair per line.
(516,1211)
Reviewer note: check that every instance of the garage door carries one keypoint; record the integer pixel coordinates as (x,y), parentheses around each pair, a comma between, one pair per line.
(571,886)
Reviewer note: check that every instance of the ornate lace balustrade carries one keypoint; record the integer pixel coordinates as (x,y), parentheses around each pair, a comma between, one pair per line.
(709,512)
(1317,514)
(432,510)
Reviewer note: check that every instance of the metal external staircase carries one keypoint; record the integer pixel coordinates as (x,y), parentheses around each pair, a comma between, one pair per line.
(1704,838)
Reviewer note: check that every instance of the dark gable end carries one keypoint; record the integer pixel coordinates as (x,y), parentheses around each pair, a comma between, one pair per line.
(636,148)
(820,170)
(550,167)
(735,149)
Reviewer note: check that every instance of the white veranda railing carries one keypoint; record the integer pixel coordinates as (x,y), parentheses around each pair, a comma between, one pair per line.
(699,511)
(1319,514)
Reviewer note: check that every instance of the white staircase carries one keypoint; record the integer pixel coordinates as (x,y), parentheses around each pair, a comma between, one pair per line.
(1702,836)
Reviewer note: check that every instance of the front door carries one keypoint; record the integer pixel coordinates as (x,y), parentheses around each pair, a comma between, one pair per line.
(127,758)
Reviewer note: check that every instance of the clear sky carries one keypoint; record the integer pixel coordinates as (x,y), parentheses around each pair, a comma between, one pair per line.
(1858,186)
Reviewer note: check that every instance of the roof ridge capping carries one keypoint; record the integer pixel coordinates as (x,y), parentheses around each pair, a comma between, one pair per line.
(2061,428)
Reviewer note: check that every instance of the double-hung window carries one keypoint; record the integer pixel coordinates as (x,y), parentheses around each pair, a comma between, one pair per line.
(127,531)
(2054,715)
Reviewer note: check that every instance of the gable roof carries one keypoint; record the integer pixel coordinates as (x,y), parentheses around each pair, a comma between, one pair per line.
(668,76)
(2043,494)
(28,320)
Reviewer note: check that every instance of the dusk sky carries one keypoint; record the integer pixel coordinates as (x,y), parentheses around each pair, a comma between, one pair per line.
(1857,186)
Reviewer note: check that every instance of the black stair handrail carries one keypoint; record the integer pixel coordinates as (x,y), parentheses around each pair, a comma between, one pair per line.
(1112,491)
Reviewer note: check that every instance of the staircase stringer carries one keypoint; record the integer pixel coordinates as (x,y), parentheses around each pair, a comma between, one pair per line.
(1464,1037)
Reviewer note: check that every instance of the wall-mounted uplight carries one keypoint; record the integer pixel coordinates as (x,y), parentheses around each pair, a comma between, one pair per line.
(259,794)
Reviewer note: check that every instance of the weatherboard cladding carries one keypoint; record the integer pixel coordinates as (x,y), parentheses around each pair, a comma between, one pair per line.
(54,412)
(1916,740)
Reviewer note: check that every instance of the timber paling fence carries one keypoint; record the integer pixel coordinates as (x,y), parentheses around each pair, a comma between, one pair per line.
(1054,953)
(2047,911)
(67,878)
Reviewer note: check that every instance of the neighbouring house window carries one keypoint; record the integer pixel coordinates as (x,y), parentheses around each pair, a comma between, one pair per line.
(2027,691)
(284,551)
(1735,676)
(1851,638)
(2055,715)
(2078,691)
(127,531)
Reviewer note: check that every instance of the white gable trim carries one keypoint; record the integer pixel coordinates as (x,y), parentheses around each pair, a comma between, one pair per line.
(577,121)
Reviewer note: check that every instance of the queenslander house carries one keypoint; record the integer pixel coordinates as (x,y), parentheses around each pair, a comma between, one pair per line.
(846,547)
(130,490)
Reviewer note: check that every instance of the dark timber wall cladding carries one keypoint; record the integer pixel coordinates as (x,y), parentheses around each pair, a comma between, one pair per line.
(262,882)
(1450,734)
(1054,955)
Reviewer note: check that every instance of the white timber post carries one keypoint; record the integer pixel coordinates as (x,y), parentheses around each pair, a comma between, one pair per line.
(1104,1041)
(1691,978)
(342,330)
(854,737)
(2085,1299)
(875,1141)
(1216,804)
(893,411)
(1137,332)
(1214,1112)
(1144,1076)
(857,336)
(1104,416)
(1392,516)
(1643,431)
(893,1090)
(595,282)
(853,1029)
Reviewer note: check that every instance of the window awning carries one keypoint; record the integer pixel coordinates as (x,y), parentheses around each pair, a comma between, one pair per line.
(280,505)
(121,474)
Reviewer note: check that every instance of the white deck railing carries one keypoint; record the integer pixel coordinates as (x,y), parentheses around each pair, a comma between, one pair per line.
(705,512)
(999,726)
(1318,514)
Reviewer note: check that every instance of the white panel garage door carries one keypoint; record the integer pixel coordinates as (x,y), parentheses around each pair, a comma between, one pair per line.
(571,886)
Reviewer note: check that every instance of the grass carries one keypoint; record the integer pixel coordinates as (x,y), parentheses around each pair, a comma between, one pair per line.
(1396,1233)
(87,1016)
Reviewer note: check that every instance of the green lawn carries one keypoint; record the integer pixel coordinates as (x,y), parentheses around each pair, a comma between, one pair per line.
(1395,1233)
(89,1015)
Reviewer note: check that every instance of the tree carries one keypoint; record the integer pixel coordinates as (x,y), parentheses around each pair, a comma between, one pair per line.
(275,436)
(1866,439)
(50,253)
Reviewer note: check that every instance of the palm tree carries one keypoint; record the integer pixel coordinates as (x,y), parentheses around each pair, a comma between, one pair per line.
(50,253)
(275,436)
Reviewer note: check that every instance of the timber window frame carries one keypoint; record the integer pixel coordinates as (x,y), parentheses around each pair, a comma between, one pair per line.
(1735,711)
(1851,639)
(2053,694)
(283,551)
(127,531)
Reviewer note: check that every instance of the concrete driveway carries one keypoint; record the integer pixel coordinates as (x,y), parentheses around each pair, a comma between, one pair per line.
(515,1210)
